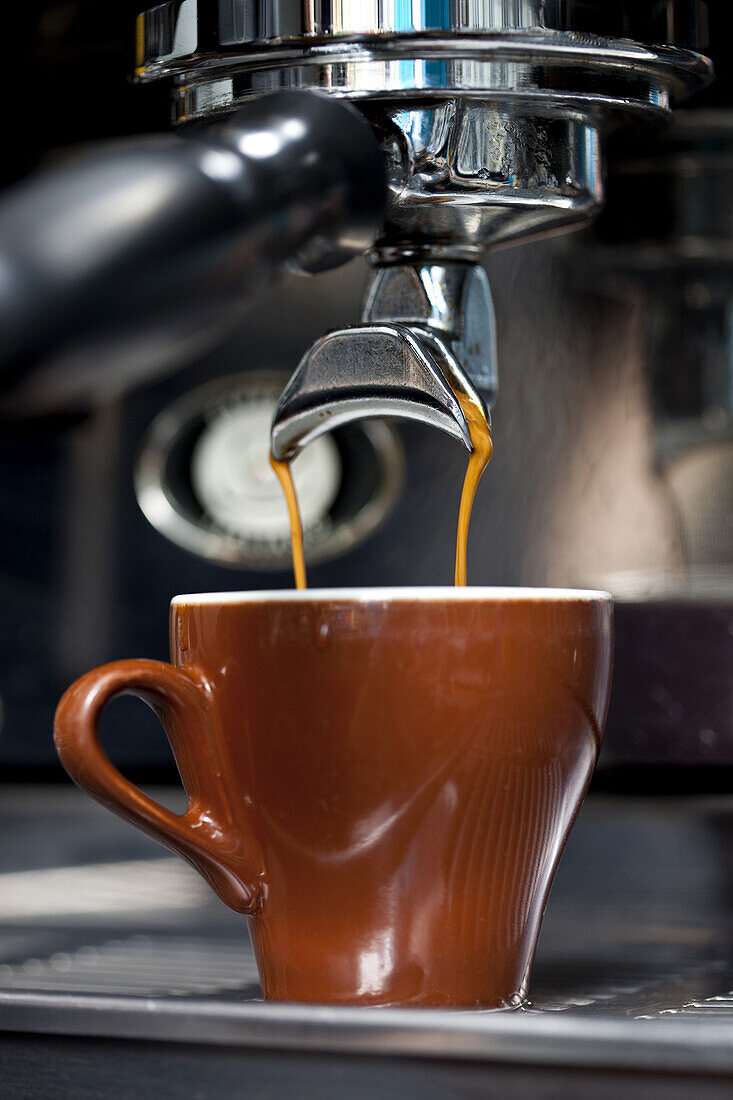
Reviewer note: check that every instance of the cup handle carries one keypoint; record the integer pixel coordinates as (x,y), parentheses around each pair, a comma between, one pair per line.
(205,835)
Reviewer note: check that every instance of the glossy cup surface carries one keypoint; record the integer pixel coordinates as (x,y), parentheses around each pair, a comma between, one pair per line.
(385,779)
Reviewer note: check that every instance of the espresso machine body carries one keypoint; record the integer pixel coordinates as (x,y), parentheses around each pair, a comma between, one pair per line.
(492,122)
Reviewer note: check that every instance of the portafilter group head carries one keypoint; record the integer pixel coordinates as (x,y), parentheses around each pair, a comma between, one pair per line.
(492,116)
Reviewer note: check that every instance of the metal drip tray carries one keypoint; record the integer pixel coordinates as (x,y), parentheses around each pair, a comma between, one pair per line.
(140,966)
(121,975)
(176,966)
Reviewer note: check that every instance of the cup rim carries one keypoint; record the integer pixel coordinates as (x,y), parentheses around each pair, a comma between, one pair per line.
(404,594)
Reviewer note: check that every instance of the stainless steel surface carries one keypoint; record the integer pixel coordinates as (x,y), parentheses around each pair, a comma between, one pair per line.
(491,114)
(169,28)
(452,301)
(668,238)
(102,939)
(428,331)
(526,1038)
(469,174)
(366,371)
(482,46)
(664,246)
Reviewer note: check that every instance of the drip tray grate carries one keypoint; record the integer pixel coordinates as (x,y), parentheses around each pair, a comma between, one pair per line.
(178,966)
(141,966)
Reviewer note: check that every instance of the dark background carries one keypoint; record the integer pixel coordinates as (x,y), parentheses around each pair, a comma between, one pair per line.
(71,74)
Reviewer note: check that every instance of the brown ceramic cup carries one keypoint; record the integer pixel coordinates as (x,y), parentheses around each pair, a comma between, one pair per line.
(381,780)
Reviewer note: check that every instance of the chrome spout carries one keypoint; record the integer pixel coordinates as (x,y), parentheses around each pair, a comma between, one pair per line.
(452,300)
(427,333)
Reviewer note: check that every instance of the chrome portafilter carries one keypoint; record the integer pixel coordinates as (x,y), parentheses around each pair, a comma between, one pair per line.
(492,119)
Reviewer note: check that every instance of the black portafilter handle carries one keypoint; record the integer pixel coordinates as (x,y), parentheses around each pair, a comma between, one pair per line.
(130,258)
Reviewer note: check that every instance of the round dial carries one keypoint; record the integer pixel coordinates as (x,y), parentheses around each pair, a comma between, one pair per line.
(236,486)
(204,480)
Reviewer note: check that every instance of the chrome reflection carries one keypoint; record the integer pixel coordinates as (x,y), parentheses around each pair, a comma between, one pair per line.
(139,964)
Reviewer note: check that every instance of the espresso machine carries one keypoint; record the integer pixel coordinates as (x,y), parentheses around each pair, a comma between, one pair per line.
(142,387)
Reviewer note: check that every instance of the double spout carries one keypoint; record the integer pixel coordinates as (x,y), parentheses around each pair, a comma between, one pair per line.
(427,334)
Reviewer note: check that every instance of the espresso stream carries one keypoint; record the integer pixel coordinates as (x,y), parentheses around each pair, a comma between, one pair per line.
(285,477)
(483,448)
(480,433)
